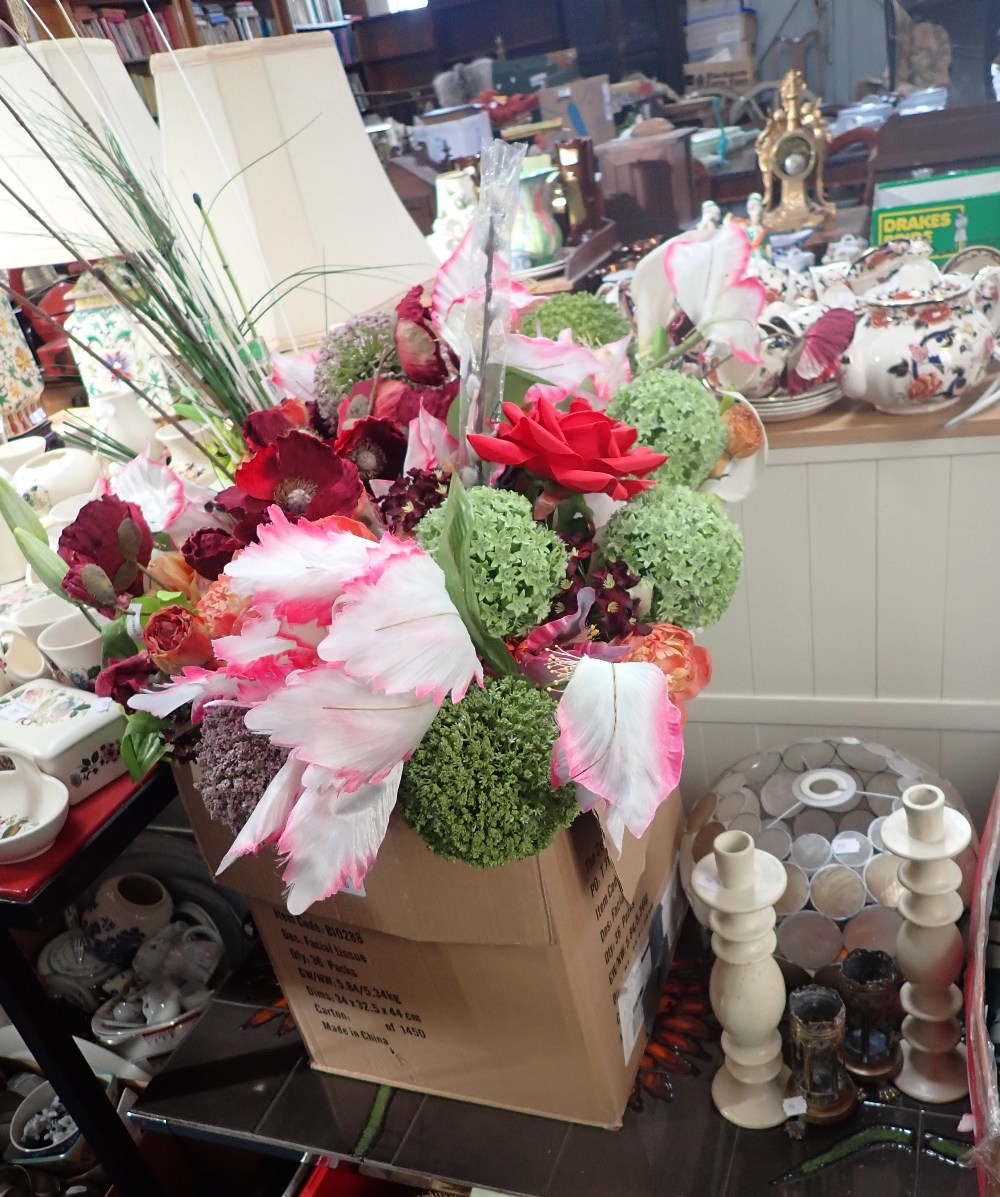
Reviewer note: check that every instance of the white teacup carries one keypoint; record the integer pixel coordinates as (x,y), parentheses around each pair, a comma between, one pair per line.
(63,514)
(32,618)
(20,660)
(18,452)
(73,645)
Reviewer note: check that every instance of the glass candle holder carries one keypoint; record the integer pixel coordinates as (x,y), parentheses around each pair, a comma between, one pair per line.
(868,985)
(817,1024)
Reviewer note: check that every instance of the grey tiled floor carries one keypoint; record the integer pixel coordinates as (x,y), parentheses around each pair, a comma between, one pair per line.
(243,1075)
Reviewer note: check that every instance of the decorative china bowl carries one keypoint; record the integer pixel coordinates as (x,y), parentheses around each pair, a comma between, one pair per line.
(33,808)
(142,1041)
(67,1154)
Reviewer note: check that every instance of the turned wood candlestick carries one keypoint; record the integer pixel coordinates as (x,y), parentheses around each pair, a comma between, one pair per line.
(740,886)
(928,835)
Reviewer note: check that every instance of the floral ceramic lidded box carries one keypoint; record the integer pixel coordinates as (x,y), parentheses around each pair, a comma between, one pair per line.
(68,733)
(20,379)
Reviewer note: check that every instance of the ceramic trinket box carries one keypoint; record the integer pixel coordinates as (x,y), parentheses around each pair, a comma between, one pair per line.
(70,734)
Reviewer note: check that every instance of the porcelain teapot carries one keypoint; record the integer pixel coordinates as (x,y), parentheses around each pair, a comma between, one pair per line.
(923,337)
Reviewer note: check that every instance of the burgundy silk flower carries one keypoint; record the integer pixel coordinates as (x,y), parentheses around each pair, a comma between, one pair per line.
(581,450)
(104,547)
(401,403)
(121,679)
(303,475)
(209,550)
(376,447)
(262,428)
(421,353)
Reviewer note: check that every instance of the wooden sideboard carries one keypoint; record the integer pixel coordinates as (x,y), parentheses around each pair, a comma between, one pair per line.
(868,604)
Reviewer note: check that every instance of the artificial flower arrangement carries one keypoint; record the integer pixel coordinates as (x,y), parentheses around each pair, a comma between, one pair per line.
(492,629)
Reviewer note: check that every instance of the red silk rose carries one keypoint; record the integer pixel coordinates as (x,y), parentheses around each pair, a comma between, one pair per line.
(581,450)
(176,637)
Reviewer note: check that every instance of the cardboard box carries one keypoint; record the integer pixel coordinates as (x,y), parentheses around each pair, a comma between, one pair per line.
(721,33)
(699,10)
(529,987)
(738,51)
(737,74)
(950,211)
(584,106)
(453,132)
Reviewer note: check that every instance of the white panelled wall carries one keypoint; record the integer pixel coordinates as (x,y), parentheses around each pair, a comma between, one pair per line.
(869,606)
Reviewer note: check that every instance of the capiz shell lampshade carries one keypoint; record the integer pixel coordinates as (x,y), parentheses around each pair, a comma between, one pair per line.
(315,195)
(93,78)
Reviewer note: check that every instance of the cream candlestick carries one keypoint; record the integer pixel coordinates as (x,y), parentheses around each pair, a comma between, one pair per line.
(740,886)
(928,835)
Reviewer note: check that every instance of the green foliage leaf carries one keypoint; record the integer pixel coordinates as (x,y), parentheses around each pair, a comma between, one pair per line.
(143,743)
(116,642)
(18,514)
(47,564)
(453,557)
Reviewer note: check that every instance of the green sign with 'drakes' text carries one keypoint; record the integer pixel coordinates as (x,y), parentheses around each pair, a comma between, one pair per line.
(950,211)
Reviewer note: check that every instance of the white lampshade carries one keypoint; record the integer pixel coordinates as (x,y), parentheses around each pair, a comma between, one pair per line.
(315,195)
(95,81)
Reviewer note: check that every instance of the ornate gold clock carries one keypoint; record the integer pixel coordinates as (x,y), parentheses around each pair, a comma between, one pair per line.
(791,153)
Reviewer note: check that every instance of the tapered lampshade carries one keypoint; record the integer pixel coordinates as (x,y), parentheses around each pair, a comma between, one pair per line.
(96,83)
(268,133)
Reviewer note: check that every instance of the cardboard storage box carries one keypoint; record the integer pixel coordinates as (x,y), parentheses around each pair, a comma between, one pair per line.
(452,132)
(721,33)
(527,987)
(950,211)
(739,51)
(736,73)
(583,106)
(699,10)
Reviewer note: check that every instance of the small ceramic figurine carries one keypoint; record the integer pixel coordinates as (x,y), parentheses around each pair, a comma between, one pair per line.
(755,219)
(711,215)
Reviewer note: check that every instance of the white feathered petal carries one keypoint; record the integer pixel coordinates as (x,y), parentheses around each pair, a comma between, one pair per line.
(154,488)
(332,836)
(401,632)
(270,814)
(339,723)
(300,569)
(620,737)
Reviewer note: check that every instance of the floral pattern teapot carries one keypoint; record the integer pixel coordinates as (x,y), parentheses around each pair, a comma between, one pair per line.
(923,337)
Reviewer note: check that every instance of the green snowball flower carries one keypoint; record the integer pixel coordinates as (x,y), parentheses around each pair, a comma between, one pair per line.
(591,321)
(685,546)
(517,565)
(477,788)
(674,414)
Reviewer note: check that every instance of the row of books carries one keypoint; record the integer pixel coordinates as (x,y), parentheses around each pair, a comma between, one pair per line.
(315,12)
(137,36)
(239,22)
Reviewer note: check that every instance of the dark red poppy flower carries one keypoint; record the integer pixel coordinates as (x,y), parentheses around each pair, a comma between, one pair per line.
(104,548)
(303,475)
(400,403)
(376,447)
(122,679)
(262,428)
(246,513)
(421,352)
(209,550)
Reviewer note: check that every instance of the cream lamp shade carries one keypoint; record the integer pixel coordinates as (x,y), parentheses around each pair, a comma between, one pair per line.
(268,134)
(95,81)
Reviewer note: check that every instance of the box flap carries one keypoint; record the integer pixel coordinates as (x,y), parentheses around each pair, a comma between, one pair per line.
(408,892)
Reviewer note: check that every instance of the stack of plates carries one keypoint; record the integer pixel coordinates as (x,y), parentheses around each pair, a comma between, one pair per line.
(780,408)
